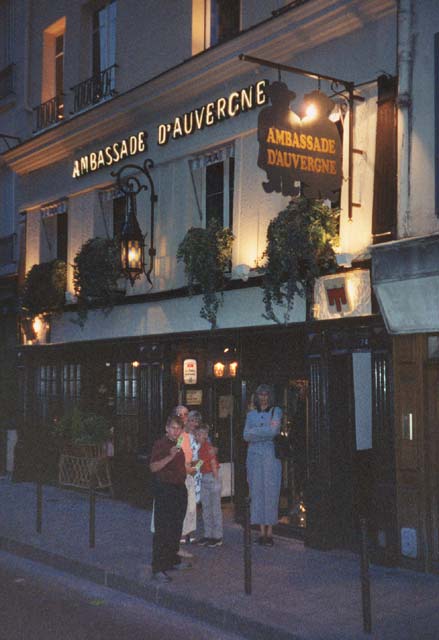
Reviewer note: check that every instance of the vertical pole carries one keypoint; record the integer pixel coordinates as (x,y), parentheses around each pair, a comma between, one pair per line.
(247,549)
(92,519)
(365,580)
(39,506)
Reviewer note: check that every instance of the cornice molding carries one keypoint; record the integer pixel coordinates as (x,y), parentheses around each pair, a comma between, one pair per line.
(279,39)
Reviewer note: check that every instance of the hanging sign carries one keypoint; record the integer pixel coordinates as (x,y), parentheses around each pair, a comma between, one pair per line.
(299,154)
(190,371)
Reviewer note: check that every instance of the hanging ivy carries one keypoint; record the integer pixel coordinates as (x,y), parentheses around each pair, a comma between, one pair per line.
(96,275)
(207,254)
(44,289)
(299,249)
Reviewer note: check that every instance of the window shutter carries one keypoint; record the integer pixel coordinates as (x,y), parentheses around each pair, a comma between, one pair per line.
(384,197)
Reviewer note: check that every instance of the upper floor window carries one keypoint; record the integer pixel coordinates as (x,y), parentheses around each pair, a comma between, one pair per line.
(6,43)
(213,178)
(51,108)
(104,39)
(214,21)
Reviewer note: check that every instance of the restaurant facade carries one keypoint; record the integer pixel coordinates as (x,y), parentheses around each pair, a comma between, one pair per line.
(206,105)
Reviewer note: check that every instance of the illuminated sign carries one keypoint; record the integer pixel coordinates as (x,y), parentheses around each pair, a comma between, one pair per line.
(110,154)
(190,371)
(299,155)
(211,113)
(342,295)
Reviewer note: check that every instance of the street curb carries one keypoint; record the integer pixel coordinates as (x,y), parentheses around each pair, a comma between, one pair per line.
(155,594)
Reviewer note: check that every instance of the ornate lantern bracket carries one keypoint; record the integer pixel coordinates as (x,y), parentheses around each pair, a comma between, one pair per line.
(132,240)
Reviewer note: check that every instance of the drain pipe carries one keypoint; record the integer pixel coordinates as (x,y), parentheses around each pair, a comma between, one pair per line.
(405,46)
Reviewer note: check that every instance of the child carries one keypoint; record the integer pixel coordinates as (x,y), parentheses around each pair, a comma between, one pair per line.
(210,490)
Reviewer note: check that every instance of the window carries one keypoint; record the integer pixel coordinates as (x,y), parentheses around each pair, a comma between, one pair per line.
(54,229)
(213,177)
(214,21)
(71,382)
(119,207)
(51,109)
(6,40)
(127,388)
(46,391)
(104,43)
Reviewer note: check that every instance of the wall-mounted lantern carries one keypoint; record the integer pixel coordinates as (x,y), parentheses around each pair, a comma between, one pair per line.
(233,369)
(132,241)
(219,369)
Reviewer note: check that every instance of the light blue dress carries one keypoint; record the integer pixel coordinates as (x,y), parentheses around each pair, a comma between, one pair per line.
(263,468)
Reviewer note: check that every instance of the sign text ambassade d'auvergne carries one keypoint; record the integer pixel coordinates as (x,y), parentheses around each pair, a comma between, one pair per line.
(292,151)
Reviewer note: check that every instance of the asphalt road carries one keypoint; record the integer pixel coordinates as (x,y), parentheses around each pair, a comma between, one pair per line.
(39,603)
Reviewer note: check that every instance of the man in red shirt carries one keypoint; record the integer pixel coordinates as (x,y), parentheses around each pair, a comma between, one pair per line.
(170,500)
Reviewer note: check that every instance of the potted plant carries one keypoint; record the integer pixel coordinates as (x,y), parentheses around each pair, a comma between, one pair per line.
(207,254)
(96,276)
(299,249)
(44,289)
(81,430)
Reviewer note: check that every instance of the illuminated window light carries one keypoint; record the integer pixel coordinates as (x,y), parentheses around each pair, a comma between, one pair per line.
(135,363)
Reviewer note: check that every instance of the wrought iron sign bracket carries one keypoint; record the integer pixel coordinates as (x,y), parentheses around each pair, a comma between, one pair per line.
(349,87)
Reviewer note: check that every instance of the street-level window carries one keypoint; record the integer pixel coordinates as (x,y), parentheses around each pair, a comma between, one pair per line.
(214,21)
(46,390)
(104,45)
(127,388)
(213,179)
(71,381)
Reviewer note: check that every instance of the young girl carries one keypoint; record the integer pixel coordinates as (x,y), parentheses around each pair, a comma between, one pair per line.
(210,490)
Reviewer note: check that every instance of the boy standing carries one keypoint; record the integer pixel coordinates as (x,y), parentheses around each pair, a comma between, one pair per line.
(210,490)
(170,500)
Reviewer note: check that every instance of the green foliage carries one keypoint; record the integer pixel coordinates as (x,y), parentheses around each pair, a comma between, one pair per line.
(97,269)
(44,288)
(82,427)
(207,254)
(299,250)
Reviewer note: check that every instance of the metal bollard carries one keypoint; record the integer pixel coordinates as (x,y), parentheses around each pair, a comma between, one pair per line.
(365,579)
(247,549)
(92,518)
(39,506)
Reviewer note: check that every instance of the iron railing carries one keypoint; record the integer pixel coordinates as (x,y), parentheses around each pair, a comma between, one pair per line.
(95,89)
(7,249)
(49,112)
(6,81)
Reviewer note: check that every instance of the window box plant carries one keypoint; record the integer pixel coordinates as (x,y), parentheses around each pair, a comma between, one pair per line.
(207,254)
(299,249)
(44,289)
(97,276)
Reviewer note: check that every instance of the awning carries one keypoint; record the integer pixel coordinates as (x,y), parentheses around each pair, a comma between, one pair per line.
(405,278)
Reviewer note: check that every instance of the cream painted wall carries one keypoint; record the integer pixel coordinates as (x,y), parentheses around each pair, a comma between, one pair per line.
(241,309)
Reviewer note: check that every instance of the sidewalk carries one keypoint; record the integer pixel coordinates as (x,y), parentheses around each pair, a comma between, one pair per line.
(297,592)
